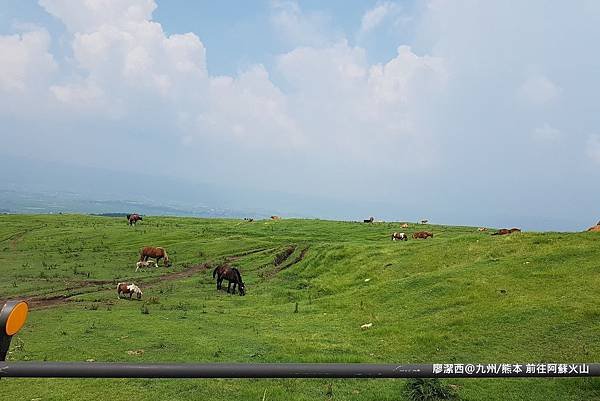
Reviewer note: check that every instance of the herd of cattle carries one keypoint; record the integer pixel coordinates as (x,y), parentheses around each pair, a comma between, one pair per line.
(400,236)
(150,256)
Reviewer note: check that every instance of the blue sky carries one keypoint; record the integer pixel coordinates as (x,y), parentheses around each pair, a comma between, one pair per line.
(463,112)
(242,32)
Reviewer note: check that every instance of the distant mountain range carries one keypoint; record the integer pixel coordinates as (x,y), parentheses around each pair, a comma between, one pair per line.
(12,201)
(35,186)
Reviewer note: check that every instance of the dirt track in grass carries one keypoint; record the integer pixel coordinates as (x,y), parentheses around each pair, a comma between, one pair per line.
(93,286)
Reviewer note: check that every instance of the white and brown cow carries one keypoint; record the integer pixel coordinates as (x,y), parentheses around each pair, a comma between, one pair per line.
(399,237)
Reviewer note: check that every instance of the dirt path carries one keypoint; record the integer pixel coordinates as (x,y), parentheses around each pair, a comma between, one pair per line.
(89,287)
(283,257)
(95,286)
(14,239)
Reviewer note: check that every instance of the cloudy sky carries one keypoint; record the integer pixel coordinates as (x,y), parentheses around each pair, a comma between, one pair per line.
(463,112)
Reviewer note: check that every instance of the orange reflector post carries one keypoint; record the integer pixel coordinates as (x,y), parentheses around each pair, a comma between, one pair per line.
(12,318)
(16,318)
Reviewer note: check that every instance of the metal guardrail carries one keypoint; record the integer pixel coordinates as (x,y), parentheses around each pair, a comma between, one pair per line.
(13,315)
(291,370)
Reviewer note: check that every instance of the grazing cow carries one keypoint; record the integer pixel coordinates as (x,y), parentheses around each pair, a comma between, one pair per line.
(424,221)
(506,231)
(405,225)
(142,264)
(482,229)
(155,253)
(275,218)
(422,235)
(134,218)
(369,220)
(131,289)
(232,275)
(399,237)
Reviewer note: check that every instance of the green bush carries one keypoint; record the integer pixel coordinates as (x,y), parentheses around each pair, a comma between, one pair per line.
(429,390)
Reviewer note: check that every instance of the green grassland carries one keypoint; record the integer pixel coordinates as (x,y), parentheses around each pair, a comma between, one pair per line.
(463,296)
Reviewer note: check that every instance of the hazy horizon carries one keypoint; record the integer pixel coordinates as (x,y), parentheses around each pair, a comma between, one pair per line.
(470,113)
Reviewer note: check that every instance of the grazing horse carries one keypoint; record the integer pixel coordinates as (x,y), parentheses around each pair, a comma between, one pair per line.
(424,221)
(369,220)
(142,264)
(399,237)
(232,275)
(124,288)
(156,253)
(422,234)
(482,229)
(405,225)
(275,218)
(134,218)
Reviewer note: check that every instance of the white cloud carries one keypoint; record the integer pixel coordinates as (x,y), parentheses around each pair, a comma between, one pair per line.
(77,94)
(375,16)
(546,133)
(298,28)
(25,61)
(407,76)
(336,67)
(140,56)
(426,115)
(125,68)
(367,112)
(91,15)
(124,64)
(250,110)
(539,91)
(593,148)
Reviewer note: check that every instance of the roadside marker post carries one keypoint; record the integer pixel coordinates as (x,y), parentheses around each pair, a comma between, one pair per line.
(12,318)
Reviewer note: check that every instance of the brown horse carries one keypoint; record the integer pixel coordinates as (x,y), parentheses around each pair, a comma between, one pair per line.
(134,218)
(422,234)
(156,253)
(232,275)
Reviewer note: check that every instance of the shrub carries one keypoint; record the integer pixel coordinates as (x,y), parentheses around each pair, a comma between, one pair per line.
(429,390)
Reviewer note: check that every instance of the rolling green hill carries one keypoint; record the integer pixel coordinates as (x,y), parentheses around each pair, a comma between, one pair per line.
(463,296)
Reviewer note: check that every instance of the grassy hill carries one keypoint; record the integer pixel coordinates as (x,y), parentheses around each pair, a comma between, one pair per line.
(462,296)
